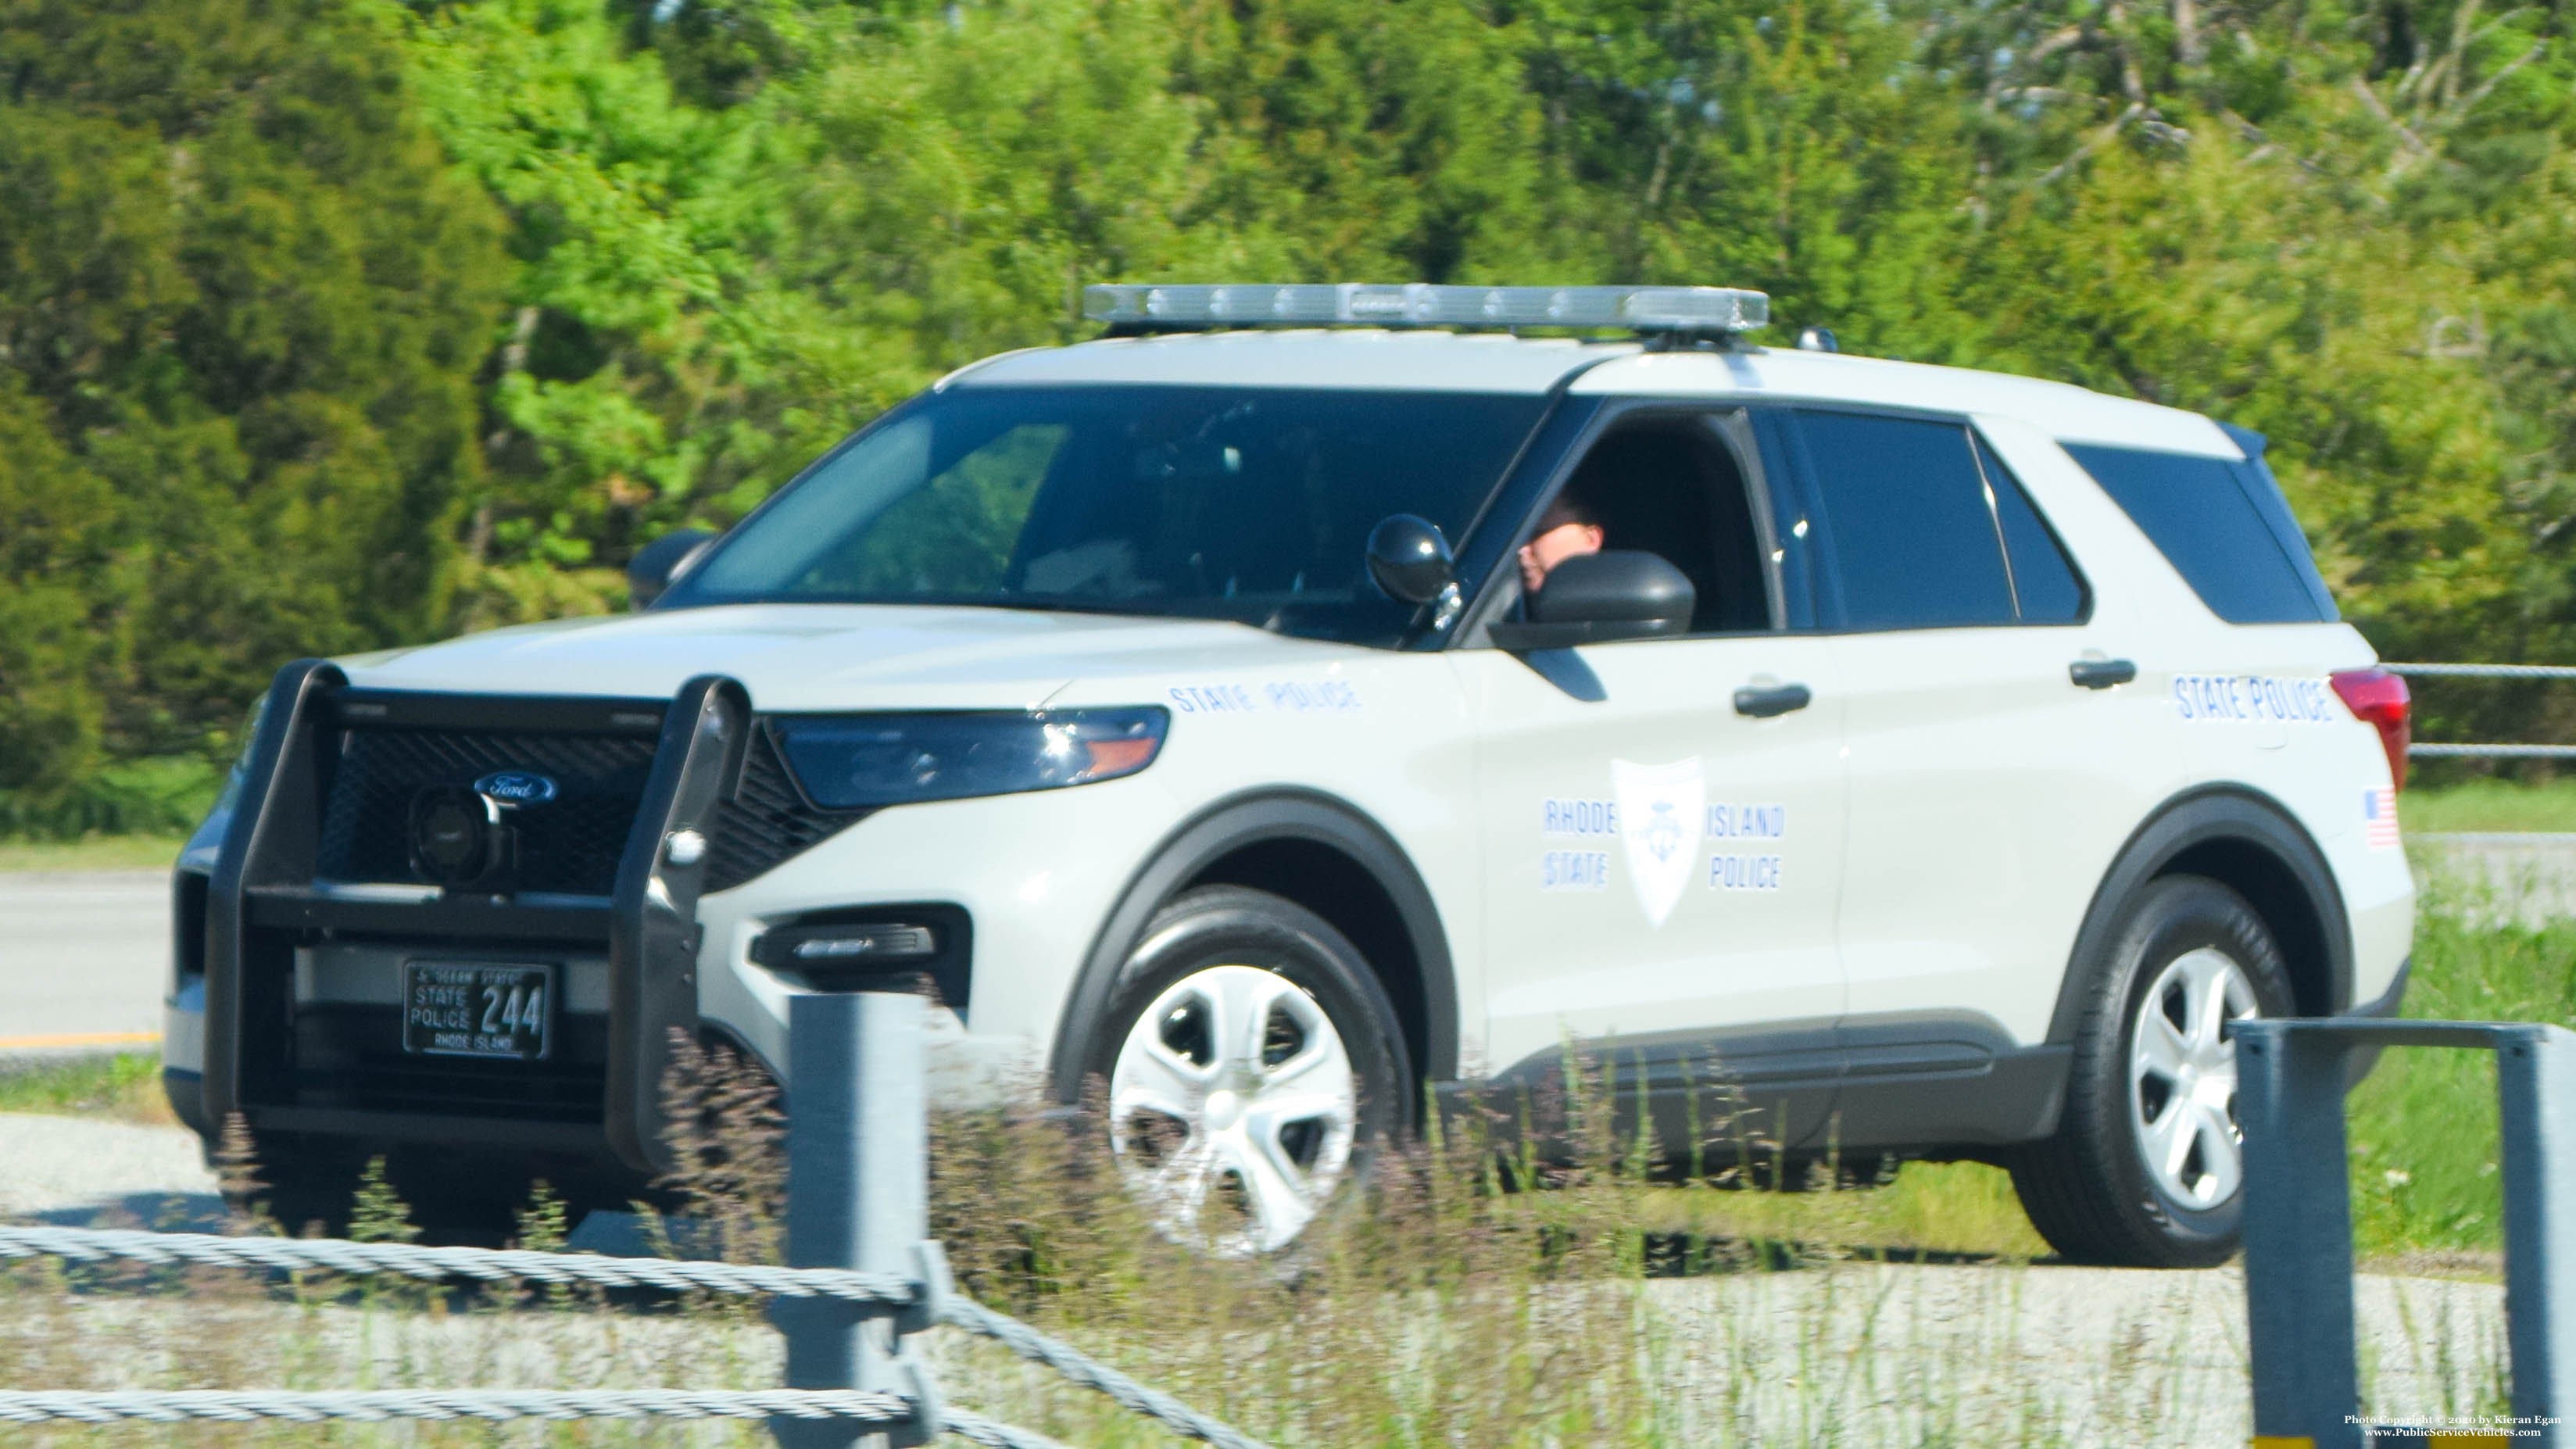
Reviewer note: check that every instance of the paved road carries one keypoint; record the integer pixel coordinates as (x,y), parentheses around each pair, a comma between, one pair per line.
(2526,877)
(83,958)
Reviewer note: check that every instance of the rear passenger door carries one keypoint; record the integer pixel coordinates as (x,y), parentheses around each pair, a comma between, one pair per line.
(1989,787)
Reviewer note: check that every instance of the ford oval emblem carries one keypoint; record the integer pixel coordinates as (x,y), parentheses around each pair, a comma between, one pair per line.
(515,787)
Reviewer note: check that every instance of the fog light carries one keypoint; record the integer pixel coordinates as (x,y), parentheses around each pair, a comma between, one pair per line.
(846,945)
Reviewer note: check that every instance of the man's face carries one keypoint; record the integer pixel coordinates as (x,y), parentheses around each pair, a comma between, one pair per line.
(1554,546)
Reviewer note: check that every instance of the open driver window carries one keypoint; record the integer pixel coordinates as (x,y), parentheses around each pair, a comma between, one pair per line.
(1670,485)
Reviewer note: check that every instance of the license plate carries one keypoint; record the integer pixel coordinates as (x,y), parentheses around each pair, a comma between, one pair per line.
(474,1009)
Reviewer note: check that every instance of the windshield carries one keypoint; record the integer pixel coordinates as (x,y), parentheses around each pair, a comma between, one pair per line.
(1236,503)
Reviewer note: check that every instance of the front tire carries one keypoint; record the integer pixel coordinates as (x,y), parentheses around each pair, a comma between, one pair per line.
(1254,1064)
(2147,1167)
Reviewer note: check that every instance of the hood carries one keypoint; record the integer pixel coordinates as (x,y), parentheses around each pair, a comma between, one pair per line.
(832,656)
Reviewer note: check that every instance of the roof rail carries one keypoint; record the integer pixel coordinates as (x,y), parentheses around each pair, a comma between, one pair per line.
(1139,307)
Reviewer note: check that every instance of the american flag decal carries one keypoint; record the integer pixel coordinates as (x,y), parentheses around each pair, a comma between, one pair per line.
(2379,816)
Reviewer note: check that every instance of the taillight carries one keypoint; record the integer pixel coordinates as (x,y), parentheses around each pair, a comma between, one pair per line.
(2380,697)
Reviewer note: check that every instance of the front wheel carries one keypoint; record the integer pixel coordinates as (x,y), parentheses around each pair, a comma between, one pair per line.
(2148,1165)
(1254,1064)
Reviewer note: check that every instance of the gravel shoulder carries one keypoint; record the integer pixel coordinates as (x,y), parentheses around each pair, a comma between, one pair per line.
(1980,1354)
(76,1170)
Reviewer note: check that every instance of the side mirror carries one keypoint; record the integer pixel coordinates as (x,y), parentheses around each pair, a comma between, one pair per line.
(1595,598)
(650,572)
(1410,560)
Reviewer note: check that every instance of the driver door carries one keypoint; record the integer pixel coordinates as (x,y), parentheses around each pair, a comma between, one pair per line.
(1663,861)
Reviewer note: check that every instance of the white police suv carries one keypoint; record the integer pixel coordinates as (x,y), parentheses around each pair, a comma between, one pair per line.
(1935,763)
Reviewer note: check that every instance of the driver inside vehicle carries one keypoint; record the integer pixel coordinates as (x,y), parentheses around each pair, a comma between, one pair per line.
(1570,528)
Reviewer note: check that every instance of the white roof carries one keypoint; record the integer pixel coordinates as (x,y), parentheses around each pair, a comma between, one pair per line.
(1432,361)
(2068,413)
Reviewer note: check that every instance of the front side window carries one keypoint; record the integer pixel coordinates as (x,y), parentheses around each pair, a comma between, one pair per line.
(1671,487)
(1250,504)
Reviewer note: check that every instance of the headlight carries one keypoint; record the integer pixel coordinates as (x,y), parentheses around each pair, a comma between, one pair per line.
(852,761)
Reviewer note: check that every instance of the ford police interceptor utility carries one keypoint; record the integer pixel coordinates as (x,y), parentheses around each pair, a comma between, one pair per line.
(1928,763)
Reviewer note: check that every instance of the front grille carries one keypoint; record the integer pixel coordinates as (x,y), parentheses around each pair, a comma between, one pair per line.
(767,820)
(572,843)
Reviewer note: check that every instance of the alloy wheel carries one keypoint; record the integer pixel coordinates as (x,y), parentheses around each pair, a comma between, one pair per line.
(2182,1077)
(1233,1108)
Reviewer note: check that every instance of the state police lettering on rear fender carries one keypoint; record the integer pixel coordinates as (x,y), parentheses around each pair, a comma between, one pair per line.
(2254,697)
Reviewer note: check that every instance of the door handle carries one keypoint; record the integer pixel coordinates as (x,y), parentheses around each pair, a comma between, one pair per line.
(1777,699)
(2101,673)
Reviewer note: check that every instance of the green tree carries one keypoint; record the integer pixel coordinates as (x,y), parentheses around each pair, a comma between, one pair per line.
(240,284)
(58,581)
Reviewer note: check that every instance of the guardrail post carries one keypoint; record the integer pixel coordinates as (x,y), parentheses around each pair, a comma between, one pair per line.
(858,1139)
(2298,1236)
(2536,1098)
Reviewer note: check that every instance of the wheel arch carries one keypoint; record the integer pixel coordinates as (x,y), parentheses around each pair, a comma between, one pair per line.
(2251,844)
(1308,847)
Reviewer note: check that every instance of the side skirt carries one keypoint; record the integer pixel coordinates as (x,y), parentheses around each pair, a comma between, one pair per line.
(1938,1084)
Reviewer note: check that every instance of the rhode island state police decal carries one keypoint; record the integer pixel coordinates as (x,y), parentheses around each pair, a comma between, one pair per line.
(1662,810)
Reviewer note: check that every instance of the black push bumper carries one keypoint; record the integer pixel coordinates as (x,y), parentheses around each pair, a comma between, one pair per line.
(290,1071)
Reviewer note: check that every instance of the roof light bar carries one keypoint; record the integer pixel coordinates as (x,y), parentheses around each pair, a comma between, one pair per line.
(1420,304)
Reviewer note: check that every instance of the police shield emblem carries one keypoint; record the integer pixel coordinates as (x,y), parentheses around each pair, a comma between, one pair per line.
(1662,809)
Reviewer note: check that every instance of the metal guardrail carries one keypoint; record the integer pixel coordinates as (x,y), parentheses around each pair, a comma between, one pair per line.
(2491,752)
(865,1275)
(2486,671)
(2291,1075)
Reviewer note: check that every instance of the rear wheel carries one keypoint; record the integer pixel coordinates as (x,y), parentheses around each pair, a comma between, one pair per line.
(1254,1064)
(2147,1168)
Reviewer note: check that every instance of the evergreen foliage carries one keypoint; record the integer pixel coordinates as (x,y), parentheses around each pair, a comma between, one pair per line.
(243,299)
(330,324)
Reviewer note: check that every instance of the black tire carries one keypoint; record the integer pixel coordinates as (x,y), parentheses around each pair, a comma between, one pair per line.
(1235,926)
(2089,1189)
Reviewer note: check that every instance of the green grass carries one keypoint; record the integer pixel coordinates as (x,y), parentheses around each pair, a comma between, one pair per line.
(125,1087)
(2423,1127)
(99,852)
(2497,805)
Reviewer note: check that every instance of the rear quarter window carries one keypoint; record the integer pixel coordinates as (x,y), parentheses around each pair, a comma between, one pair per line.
(2210,517)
